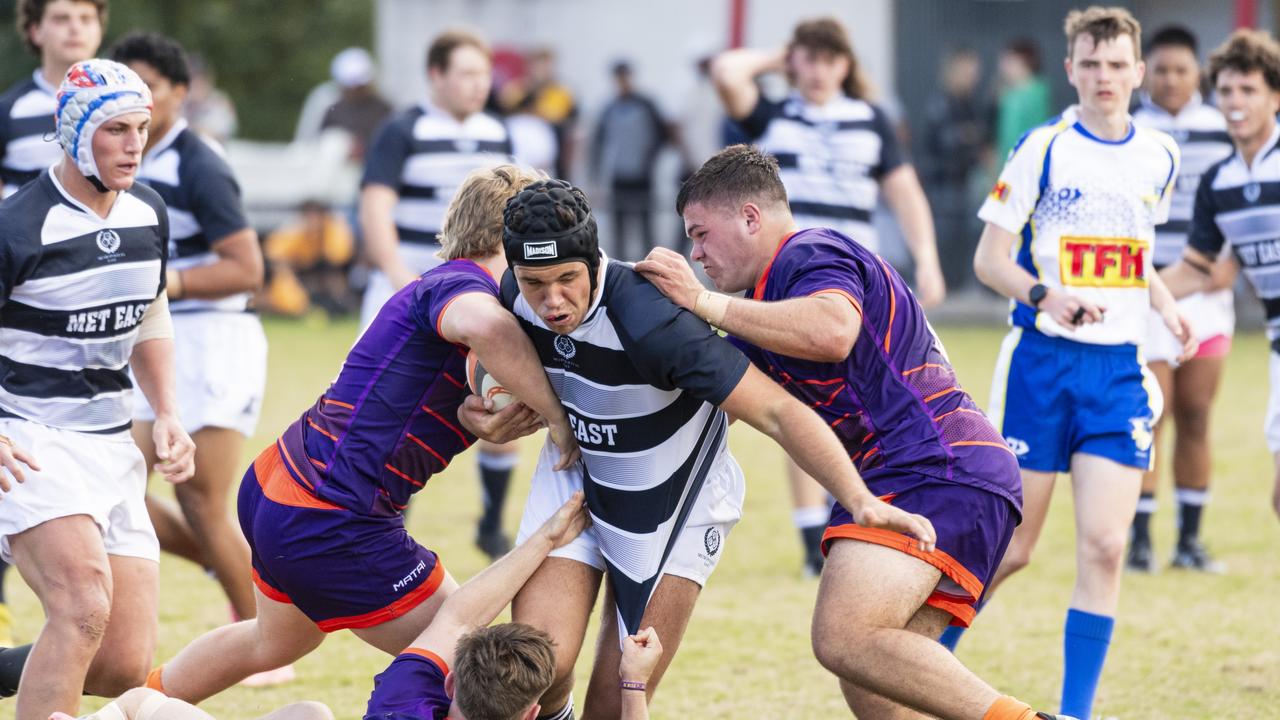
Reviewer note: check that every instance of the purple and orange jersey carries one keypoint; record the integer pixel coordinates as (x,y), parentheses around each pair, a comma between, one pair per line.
(894,401)
(389,422)
(411,688)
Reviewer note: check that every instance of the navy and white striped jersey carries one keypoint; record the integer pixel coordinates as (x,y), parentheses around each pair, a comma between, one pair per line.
(424,154)
(203,202)
(26,119)
(640,380)
(73,288)
(1201,134)
(831,159)
(1240,204)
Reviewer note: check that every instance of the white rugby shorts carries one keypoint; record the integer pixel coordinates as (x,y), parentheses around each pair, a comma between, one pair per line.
(698,548)
(102,476)
(1272,424)
(1212,314)
(220,361)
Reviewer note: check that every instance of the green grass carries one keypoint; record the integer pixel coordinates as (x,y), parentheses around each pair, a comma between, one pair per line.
(1185,646)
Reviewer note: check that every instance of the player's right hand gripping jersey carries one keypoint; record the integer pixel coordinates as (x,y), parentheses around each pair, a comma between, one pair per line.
(1086,211)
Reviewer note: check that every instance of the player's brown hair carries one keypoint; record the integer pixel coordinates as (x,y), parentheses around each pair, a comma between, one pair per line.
(1102,24)
(31,12)
(827,36)
(1244,52)
(446,42)
(472,226)
(737,174)
(499,671)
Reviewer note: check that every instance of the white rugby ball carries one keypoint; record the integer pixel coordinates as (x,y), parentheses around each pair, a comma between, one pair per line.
(486,385)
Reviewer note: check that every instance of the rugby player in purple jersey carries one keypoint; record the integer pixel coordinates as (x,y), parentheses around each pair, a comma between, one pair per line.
(321,508)
(840,330)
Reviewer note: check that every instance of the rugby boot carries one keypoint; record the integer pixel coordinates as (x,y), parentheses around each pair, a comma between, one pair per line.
(1193,555)
(1140,557)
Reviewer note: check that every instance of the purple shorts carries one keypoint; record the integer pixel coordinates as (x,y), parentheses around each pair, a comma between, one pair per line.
(973,527)
(340,568)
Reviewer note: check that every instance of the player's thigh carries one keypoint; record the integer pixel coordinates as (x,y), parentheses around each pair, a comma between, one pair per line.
(1037,493)
(1106,496)
(283,630)
(868,585)
(1165,375)
(64,562)
(135,608)
(1195,385)
(558,599)
(218,467)
(393,636)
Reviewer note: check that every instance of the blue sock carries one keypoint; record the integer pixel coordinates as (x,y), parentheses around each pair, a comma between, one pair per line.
(951,636)
(1084,650)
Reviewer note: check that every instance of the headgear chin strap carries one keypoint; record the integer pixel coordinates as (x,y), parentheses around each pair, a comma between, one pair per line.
(93,92)
(533,230)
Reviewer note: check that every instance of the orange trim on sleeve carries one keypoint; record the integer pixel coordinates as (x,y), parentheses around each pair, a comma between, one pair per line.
(278,485)
(269,591)
(837,291)
(921,367)
(485,269)
(339,403)
(409,601)
(427,654)
(957,410)
(940,393)
(904,543)
(445,309)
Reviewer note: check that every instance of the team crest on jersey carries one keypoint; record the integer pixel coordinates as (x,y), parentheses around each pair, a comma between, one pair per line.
(1252,192)
(565,347)
(1000,193)
(711,540)
(1103,262)
(108,241)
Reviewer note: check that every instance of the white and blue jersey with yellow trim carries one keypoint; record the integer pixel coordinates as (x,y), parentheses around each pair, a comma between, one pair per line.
(1086,210)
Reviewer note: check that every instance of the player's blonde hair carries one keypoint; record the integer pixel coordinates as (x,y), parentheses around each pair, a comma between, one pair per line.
(1102,24)
(500,671)
(1245,51)
(472,226)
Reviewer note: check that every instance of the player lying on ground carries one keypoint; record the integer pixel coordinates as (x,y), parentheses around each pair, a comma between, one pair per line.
(148,704)
(461,668)
(641,379)
(841,331)
(321,508)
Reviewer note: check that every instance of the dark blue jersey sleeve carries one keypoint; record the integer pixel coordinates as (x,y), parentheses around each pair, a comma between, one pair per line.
(757,121)
(391,144)
(670,346)
(891,155)
(1205,236)
(214,194)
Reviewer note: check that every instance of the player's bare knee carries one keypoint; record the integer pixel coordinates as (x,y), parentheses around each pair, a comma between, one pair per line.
(1192,421)
(1104,551)
(82,611)
(121,675)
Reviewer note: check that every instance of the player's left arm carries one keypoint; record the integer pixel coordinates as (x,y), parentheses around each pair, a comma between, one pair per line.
(905,197)
(479,600)
(821,327)
(478,320)
(640,655)
(152,365)
(809,441)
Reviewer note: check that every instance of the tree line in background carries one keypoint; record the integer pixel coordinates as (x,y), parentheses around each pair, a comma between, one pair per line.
(265,54)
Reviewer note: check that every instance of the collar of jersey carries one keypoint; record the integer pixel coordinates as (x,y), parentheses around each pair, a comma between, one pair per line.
(67,198)
(815,113)
(178,126)
(433,110)
(38,78)
(1263,152)
(601,273)
(1196,101)
(1080,128)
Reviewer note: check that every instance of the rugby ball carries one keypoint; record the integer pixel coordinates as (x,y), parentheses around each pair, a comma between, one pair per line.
(486,385)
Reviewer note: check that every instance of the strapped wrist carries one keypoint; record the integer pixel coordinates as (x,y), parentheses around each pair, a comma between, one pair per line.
(711,307)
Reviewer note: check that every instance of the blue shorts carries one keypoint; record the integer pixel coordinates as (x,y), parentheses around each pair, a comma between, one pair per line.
(1052,398)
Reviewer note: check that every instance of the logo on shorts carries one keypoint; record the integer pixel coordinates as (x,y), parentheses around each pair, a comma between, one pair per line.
(1141,434)
(413,575)
(1252,192)
(108,241)
(545,249)
(712,541)
(1018,446)
(564,346)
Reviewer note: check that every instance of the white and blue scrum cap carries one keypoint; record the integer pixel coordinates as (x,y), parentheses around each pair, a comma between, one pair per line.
(93,92)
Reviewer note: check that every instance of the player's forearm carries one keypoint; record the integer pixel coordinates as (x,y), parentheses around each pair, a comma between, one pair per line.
(816,449)
(635,705)
(734,73)
(377,204)
(817,328)
(152,365)
(906,198)
(238,269)
(1161,298)
(998,271)
(479,600)
(1182,279)
(508,354)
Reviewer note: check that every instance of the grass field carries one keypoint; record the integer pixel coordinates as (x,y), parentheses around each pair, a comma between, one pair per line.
(1186,646)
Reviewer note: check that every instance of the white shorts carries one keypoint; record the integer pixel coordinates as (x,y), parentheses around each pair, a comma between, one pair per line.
(419,257)
(698,548)
(220,360)
(1212,314)
(102,476)
(1272,424)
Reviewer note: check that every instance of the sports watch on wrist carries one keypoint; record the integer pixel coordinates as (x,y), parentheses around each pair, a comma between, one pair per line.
(1036,294)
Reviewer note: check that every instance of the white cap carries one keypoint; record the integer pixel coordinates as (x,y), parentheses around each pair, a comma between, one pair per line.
(352,67)
(93,92)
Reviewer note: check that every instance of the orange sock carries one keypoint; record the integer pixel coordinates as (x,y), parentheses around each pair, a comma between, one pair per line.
(153,679)
(1009,708)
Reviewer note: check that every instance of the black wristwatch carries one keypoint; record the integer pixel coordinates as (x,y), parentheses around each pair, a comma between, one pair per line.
(1036,294)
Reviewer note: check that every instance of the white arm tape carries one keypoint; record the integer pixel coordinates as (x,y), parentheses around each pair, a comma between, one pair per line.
(156,323)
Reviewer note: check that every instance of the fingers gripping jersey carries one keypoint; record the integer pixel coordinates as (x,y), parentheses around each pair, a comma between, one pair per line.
(1086,210)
